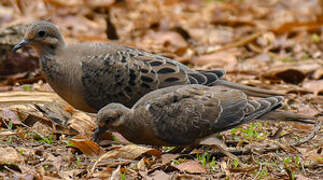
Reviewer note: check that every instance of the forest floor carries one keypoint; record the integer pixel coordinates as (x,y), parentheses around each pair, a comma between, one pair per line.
(271,44)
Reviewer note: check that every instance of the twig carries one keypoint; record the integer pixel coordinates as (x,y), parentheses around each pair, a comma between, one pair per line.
(259,171)
(238,43)
(316,129)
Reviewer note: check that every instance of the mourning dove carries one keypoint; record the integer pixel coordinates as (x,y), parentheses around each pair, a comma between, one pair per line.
(183,115)
(92,75)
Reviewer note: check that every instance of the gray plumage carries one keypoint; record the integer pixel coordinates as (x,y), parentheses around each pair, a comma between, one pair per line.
(183,115)
(91,75)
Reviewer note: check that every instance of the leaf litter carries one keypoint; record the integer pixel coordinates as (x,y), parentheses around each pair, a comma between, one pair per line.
(271,44)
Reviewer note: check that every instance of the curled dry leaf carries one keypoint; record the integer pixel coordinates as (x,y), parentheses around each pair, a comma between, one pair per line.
(287,74)
(29,115)
(294,74)
(88,147)
(190,166)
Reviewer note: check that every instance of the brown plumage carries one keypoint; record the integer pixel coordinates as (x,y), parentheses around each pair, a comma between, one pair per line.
(91,75)
(184,114)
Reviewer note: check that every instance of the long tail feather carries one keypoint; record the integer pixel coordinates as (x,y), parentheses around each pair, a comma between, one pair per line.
(251,91)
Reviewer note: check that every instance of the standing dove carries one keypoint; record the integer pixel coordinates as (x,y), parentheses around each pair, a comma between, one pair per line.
(92,75)
(184,114)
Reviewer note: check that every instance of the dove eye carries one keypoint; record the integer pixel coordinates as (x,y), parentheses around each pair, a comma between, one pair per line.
(41,33)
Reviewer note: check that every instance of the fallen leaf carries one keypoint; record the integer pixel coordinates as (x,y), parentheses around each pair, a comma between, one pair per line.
(130,151)
(287,74)
(9,155)
(86,146)
(159,175)
(82,123)
(133,151)
(318,74)
(42,129)
(301,177)
(223,59)
(166,158)
(167,38)
(316,86)
(190,166)
(116,174)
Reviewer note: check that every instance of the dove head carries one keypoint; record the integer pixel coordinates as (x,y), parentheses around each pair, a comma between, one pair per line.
(110,117)
(43,36)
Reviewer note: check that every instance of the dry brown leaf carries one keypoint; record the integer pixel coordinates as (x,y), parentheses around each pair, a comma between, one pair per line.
(315,86)
(82,123)
(166,158)
(224,59)
(10,116)
(141,166)
(318,74)
(287,74)
(314,156)
(301,177)
(133,151)
(298,26)
(159,175)
(9,155)
(99,3)
(213,141)
(29,115)
(19,97)
(294,73)
(116,174)
(42,129)
(62,3)
(88,147)
(130,151)
(166,38)
(190,166)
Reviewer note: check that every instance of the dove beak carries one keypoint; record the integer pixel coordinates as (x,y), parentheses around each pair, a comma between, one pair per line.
(21,44)
(98,132)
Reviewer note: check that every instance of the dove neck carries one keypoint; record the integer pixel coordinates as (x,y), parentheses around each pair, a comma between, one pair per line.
(51,49)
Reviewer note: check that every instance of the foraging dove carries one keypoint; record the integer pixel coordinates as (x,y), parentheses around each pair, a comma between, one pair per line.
(92,75)
(184,114)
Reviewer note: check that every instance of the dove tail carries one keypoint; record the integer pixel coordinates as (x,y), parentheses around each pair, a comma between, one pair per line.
(253,109)
(251,91)
(260,107)
(287,116)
